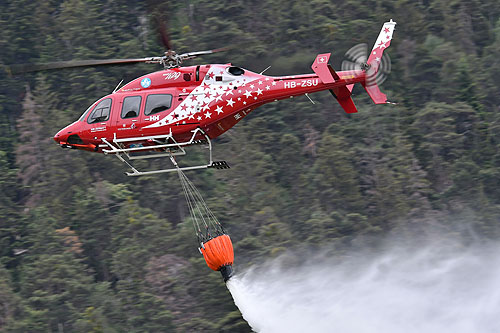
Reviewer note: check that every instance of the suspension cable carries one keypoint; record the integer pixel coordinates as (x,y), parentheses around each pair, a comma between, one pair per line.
(205,223)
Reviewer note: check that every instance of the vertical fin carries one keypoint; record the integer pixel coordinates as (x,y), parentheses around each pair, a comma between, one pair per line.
(383,42)
(374,60)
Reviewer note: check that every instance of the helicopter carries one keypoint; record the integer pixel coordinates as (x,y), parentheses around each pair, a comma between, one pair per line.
(161,114)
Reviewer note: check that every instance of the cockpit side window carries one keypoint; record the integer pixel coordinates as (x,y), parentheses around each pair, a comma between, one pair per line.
(157,103)
(101,112)
(131,107)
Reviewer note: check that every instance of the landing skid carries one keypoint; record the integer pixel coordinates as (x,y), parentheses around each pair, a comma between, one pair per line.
(161,146)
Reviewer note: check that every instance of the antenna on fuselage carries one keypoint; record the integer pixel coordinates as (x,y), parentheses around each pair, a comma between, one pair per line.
(265,69)
(117,86)
(307,95)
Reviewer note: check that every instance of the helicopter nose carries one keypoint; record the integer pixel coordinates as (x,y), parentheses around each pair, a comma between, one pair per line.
(59,137)
(63,135)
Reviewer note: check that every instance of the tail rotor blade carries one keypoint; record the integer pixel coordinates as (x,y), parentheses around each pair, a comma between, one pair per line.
(358,53)
(356,58)
(348,65)
(384,69)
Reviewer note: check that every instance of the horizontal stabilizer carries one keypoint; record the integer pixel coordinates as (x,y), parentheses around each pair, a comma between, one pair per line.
(343,96)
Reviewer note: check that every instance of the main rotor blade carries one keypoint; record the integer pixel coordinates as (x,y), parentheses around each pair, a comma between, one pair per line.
(26,68)
(159,10)
(161,28)
(198,53)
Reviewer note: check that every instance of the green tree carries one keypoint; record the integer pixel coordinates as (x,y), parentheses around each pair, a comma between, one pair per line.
(9,301)
(53,278)
(445,131)
(9,216)
(336,178)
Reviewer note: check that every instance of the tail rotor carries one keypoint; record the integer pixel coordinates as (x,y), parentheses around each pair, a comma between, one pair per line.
(356,59)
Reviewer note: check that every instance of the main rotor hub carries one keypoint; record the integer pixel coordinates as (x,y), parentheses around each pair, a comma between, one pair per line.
(171,60)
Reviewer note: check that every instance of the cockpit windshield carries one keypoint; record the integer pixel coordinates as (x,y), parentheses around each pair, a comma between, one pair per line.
(82,117)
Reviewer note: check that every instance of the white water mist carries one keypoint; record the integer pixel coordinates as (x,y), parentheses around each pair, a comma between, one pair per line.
(432,289)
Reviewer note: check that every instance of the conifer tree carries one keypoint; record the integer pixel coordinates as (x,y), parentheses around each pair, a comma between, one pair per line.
(336,178)
(53,277)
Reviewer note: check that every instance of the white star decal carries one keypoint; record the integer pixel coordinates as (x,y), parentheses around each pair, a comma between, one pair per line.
(274,83)
(207,99)
(245,103)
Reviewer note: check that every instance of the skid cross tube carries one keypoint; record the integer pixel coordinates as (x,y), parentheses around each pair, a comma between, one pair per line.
(169,150)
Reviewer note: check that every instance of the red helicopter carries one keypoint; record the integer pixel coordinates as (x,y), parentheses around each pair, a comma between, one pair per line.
(162,113)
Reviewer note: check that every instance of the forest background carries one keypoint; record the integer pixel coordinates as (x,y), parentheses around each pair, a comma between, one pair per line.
(83,248)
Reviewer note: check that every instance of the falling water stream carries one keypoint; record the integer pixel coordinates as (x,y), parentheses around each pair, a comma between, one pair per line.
(424,289)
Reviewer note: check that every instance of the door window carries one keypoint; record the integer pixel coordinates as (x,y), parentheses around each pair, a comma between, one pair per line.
(157,103)
(131,107)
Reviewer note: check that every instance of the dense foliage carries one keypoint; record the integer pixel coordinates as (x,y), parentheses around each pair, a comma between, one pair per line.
(85,249)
